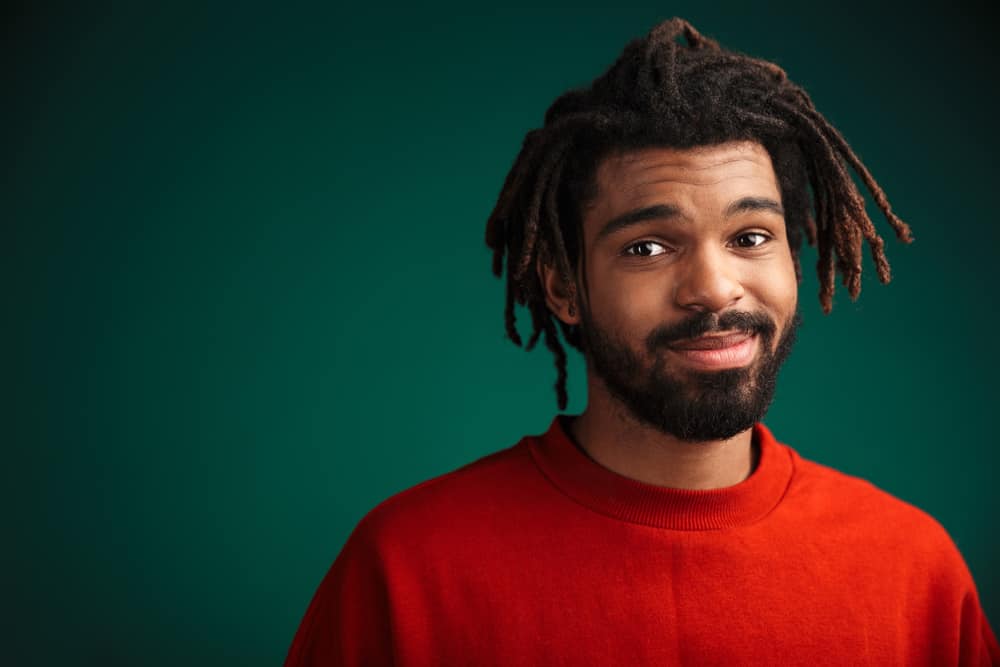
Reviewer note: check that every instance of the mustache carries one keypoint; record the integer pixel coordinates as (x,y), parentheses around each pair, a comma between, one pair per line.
(704,322)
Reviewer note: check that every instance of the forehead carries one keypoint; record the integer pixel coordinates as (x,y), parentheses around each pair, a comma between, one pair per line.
(693,178)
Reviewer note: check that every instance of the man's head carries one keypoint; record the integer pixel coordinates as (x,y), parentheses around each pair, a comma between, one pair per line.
(691,290)
(668,200)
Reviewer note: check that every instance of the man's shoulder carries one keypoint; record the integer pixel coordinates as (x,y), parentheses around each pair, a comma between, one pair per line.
(468,498)
(851,506)
(472,480)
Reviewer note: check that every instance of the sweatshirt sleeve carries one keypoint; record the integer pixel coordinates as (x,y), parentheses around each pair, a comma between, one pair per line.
(347,623)
(978,642)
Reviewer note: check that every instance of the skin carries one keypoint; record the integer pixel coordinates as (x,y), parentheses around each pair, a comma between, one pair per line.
(710,254)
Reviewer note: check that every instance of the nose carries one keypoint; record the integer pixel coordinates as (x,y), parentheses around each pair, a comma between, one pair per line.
(708,281)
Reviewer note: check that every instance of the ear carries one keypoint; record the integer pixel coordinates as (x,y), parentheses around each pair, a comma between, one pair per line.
(559,297)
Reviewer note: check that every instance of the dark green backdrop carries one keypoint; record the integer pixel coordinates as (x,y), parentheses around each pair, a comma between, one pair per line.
(246,295)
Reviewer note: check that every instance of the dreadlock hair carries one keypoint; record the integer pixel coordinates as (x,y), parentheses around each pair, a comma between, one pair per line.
(661,92)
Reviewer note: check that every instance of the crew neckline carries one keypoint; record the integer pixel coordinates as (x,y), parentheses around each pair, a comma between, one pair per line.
(584,480)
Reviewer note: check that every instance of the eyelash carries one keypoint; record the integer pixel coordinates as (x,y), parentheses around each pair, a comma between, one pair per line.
(765,237)
(628,250)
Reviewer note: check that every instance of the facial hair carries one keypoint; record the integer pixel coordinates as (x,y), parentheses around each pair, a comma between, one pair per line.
(694,406)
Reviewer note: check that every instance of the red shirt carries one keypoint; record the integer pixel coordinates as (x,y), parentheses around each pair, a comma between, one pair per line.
(537,555)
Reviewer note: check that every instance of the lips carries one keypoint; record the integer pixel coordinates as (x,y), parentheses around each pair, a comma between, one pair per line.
(716,342)
(712,353)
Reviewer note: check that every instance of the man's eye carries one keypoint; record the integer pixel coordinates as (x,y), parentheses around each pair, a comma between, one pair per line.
(751,240)
(645,249)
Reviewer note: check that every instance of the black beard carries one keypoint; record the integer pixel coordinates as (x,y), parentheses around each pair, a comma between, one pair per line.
(694,406)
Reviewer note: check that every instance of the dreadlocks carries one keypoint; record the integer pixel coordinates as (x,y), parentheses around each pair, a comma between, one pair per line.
(663,93)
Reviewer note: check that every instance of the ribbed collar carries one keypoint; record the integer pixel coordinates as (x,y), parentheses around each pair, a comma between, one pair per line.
(569,468)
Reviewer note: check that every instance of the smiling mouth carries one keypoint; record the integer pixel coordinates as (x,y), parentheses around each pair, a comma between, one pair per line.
(729,350)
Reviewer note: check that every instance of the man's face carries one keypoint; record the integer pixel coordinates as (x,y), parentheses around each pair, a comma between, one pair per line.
(690,303)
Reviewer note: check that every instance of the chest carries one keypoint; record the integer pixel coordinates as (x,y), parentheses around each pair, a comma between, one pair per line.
(637,598)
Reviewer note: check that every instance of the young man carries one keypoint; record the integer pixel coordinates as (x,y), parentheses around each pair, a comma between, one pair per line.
(655,221)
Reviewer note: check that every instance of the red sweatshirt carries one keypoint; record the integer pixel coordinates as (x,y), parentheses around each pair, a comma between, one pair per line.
(537,555)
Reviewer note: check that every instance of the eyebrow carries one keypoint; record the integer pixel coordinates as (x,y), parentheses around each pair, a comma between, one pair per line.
(750,204)
(670,212)
(625,220)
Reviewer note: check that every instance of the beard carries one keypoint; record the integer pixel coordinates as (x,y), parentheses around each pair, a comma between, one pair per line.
(694,406)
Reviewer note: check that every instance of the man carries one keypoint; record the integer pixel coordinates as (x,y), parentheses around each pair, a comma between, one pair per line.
(655,222)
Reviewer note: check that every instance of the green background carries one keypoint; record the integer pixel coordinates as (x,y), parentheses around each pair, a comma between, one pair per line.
(246,295)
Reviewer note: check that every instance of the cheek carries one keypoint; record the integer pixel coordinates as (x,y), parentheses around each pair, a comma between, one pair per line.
(777,289)
(634,303)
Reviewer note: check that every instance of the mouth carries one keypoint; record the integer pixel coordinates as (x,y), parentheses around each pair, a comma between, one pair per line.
(718,351)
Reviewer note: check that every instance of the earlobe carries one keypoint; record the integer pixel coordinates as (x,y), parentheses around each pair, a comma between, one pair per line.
(559,297)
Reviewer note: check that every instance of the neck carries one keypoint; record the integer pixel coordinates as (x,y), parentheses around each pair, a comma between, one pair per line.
(612,437)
